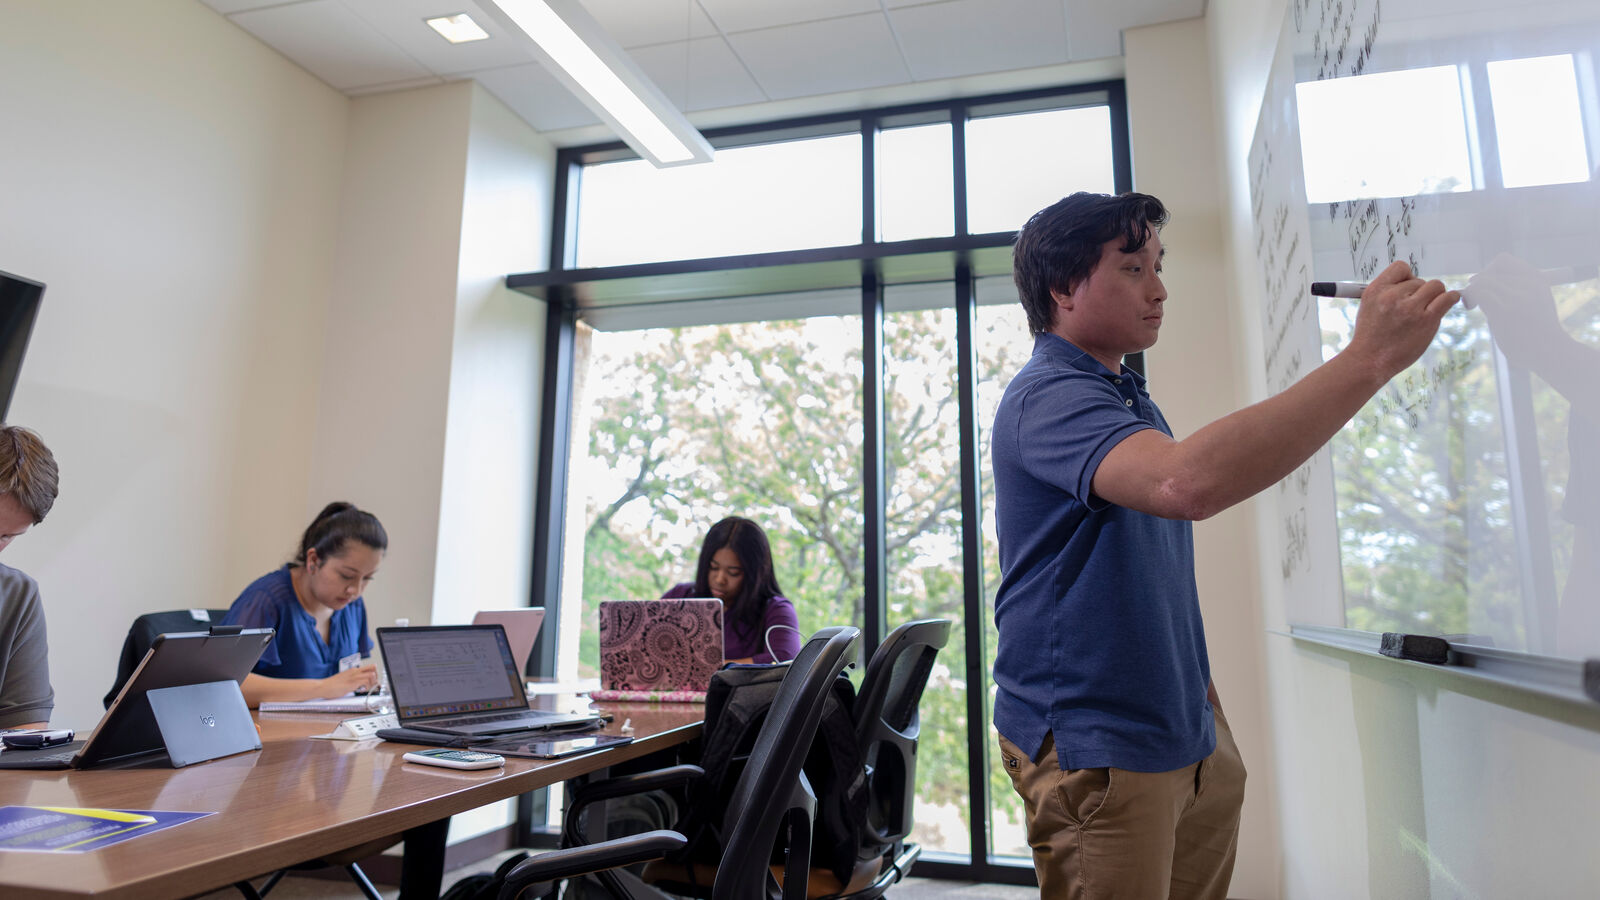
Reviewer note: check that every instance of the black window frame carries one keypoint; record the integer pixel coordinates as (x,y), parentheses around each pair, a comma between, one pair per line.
(960,260)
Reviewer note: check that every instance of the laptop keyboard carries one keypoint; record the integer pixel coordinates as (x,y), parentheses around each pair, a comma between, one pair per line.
(474,720)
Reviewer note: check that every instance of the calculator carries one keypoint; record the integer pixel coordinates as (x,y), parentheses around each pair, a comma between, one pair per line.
(456,759)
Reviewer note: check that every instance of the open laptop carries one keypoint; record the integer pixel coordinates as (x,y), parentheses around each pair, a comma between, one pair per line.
(129,730)
(461,680)
(659,649)
(522,627)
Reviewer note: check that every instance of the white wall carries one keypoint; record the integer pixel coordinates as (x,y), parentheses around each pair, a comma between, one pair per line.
(380,417)
(175,184)
(1392,780)
(1194,375)
(262,296)
(492,433)
(428,411)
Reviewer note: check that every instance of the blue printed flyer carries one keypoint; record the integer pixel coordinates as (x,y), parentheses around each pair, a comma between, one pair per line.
(63,829)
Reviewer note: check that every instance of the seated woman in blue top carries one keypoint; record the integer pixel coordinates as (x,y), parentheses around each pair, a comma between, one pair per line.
(315,604)
(736,568)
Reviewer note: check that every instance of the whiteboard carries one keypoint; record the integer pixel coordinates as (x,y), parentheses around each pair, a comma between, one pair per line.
(1463,137)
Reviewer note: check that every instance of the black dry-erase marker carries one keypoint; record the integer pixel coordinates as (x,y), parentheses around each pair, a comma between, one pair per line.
(1351,290)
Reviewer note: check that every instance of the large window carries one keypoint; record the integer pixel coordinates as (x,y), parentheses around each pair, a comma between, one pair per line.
(631,212)
(687,425)
(837,389)
(1002,348)
(1020,162)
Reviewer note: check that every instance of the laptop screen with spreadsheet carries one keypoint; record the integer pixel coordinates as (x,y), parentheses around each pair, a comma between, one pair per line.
(450,670)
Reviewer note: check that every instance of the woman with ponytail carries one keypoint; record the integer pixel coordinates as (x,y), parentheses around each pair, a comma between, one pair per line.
(315,604)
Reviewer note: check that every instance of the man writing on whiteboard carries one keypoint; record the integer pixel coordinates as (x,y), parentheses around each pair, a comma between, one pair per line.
(1110,728)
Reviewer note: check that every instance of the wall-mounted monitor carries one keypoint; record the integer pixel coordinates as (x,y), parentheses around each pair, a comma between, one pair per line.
(19,306)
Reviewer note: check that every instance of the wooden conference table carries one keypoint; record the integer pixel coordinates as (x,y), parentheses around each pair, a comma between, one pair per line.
(297,799)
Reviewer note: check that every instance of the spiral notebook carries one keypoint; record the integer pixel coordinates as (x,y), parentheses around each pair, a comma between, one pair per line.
(659,650)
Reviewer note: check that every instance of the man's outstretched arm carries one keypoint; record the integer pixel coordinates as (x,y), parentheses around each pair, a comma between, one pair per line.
(1245,452)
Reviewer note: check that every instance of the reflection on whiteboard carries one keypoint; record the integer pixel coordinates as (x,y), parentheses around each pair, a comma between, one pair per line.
(1463,137)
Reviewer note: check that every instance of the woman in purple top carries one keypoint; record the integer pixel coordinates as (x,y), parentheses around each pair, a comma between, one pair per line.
(735,567)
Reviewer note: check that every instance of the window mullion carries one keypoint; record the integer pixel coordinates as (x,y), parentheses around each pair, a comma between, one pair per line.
(874,610)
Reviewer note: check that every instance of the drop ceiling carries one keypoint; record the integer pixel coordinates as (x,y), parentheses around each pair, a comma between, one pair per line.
(721,61)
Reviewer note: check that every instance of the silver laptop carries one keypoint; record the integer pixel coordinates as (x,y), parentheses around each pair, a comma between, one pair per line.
(462,680)
(522,627)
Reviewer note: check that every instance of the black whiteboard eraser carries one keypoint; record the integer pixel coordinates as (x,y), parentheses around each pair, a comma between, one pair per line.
(1415,647)
(1591,678)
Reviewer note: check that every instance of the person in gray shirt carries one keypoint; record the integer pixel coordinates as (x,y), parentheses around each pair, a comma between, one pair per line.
(28,482)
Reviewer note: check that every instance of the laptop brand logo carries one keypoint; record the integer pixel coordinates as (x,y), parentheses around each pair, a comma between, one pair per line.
(210,721)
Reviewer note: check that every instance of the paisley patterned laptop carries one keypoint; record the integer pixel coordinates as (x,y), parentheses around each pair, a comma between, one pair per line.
(659,649)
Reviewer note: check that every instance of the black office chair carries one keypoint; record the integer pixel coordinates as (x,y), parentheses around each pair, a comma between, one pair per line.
(772,803)
(143,633)
(887,728)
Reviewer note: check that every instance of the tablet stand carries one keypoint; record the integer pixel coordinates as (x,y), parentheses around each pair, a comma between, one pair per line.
(203,721)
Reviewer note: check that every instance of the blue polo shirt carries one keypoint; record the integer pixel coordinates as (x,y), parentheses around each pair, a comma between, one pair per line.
(1100,641)
(297,650)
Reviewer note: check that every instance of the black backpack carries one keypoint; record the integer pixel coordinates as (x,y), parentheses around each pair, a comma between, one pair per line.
(736,706)
(483,886)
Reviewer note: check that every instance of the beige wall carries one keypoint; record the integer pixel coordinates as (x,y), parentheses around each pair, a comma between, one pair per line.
(1194,375)
(386,361)
(428,410)
(1391,779)
(491,453)
(176,186)
(262,296)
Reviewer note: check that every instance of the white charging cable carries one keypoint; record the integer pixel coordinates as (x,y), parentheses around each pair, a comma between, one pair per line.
(767,639)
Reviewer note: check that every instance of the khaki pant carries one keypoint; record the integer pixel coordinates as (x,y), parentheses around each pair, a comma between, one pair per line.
(1112,833)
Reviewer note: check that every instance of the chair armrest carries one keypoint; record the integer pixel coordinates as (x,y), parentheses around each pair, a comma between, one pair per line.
(621,786)
(623,851)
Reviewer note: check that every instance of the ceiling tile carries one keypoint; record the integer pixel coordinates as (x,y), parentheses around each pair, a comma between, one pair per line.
(710,77)
(535,95)
(822,57)
(968,37)
(1094,28)
(405,23)
(635,23)
(229,7)
(331,42)
(748,15)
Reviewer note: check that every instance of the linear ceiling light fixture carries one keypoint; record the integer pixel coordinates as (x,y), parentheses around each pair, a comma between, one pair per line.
(584,58)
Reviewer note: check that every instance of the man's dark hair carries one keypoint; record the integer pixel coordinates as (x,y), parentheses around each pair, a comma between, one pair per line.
(1061,244)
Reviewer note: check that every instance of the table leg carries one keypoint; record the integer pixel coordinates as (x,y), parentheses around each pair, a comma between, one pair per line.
(422,867)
